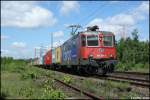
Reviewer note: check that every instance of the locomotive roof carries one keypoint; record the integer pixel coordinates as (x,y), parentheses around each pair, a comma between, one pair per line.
(96,32)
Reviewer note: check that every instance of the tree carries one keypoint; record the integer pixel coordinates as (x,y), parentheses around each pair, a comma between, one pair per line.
(132,51)
(135,35)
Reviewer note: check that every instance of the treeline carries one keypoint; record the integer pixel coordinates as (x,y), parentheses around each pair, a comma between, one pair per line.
(11,59)
(132,53)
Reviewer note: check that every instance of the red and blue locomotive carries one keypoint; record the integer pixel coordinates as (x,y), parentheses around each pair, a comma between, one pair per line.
(91,51)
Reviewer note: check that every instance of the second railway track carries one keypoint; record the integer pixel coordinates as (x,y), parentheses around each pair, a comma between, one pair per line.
(123,78)
(132,73)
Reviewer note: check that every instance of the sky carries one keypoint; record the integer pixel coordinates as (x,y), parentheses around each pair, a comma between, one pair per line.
(26,25)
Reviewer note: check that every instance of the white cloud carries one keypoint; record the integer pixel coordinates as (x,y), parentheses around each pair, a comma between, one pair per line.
(144,7)
(115,23)
(18,45)
(25,14)
(104,25)
(58,34)
(4,37)
(68,6)
(141,11)
(121,19)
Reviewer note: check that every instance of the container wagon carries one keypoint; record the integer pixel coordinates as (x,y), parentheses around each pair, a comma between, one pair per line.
(48,58)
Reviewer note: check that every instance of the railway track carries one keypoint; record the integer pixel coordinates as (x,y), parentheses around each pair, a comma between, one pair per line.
(132,73)
(122,78)
(88,94)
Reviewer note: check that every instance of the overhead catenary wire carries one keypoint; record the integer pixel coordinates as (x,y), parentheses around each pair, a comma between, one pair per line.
(83,19)
(95,12)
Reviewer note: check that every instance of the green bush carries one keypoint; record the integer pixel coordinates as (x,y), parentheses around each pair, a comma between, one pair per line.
(128,66)
(146,65)
(51,92)
(120,67)
(139,65)
(132,67)
(67,79)
(28,75)
(27,92)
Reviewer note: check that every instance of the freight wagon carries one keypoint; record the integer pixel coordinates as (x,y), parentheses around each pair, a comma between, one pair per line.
(48,58)
(53,56)
(58,55)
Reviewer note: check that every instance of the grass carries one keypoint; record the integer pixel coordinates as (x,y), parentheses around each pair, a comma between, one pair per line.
(22,81)
(67,79)
(109,89)
(132,67)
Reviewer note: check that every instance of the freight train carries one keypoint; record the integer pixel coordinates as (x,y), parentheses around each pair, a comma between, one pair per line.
(91,51)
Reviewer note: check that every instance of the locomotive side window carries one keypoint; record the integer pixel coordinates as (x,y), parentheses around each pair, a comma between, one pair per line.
(107,41)
(92,40)
(83,39)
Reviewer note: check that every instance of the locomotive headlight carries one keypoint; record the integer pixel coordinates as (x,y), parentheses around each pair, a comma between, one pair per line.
(111,55)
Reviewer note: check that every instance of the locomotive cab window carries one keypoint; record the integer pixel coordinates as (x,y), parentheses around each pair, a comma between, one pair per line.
(92,40)
(107,40)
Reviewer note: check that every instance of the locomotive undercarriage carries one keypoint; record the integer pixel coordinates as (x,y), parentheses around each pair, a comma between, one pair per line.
(90,66)
(98,66)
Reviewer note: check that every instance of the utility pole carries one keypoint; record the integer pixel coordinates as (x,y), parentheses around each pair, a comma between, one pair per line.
(41,51)
(51,41)
(35,53)
(35,56)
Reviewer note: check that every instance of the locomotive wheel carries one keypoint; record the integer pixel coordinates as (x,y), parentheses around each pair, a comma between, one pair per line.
(90,70)
(112,67)
(101,71)
(80,70)
(74,69)
(53,67)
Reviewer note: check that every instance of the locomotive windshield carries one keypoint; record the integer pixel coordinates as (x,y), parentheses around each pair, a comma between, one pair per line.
(107,40)
(92,40)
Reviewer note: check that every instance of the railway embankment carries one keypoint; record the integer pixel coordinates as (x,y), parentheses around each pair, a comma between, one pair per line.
(19,80)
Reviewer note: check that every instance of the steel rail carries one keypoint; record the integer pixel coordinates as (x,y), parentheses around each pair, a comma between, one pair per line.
(129,78)
(132,83)
(123,80)
(82,91)
(137,73)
